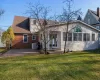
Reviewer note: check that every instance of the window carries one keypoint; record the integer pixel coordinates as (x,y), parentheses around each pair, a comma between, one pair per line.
(53,40)
(69,36)
(86,37)
(64,36)
(93,37)
(88,21)
(77,36)
(25,38)
(33,37)
(97,27)
(77,29)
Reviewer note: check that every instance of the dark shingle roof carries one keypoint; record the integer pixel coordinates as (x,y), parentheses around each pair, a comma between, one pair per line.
(21,24)
(94,13)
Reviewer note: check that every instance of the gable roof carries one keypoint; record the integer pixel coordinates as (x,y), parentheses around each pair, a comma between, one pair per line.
(76,21)
(94,13)
(21,25)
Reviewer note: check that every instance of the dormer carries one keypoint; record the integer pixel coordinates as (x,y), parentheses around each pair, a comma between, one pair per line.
(33,25)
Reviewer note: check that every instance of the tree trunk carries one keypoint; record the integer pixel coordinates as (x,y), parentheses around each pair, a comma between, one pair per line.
(45,47)
(66,38)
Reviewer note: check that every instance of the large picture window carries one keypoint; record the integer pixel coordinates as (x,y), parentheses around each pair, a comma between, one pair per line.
(25,38)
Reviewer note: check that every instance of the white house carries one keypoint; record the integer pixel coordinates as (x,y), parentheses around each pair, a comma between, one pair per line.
(81,36)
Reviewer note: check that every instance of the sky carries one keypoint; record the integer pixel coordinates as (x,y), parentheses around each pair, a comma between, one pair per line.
(18,8)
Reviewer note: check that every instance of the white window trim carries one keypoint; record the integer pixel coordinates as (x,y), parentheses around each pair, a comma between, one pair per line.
(89,21)
(32,37)
(23,38)
(94,37)
(82,37)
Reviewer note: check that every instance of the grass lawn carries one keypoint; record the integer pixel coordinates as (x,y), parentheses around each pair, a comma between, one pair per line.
(72,66)
(2,50)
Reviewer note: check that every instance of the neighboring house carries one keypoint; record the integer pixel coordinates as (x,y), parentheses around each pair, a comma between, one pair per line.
(1,44)
(81,36)
(93,18)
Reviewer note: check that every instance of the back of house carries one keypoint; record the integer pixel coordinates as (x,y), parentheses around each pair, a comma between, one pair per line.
(82,36)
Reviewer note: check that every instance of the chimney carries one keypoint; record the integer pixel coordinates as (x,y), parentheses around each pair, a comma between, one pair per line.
(98,12)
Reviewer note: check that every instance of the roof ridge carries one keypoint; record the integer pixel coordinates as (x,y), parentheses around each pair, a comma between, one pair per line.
(21,16)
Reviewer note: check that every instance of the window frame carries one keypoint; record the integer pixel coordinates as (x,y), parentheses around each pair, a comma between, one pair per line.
(34,36)
(77,36)
(86,37)
(94,37)
(88,20)
(23,38)
(77,29)
(64,36)
(70,37)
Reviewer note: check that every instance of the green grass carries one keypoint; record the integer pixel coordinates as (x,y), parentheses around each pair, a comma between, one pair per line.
(2,50)
(71,66)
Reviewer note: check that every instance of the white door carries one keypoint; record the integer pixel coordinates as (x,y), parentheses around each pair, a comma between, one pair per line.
(34,46)
(53,40)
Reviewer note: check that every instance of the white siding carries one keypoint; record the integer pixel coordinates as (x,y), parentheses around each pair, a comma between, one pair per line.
(33,28)
(76,45)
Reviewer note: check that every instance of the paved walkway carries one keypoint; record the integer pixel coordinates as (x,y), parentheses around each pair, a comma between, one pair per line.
(19,52)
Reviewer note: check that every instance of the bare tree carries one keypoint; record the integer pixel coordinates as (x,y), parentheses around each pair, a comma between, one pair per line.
(1,12)
(67,16)
(41,14)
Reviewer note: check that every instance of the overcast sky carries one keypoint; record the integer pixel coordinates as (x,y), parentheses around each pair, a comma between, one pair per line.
(18,7)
